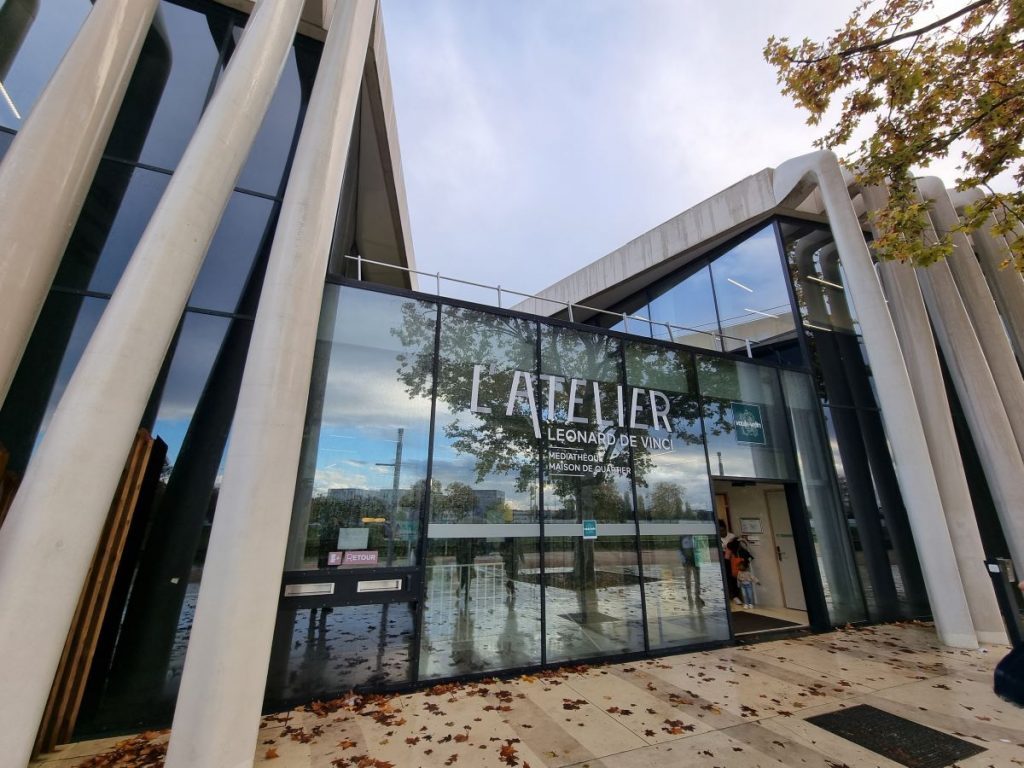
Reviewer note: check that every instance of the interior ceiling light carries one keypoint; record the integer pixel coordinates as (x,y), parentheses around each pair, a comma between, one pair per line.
(10,101)
(739,285)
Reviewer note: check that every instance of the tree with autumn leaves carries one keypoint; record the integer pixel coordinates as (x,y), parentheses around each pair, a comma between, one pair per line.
(923,90)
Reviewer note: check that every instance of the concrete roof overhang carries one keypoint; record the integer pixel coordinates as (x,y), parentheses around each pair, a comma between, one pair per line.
(670,246)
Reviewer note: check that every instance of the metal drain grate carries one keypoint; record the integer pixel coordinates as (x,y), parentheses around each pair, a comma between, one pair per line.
(908,743)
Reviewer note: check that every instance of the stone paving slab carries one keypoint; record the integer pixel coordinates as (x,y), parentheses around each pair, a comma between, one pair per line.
(737,707)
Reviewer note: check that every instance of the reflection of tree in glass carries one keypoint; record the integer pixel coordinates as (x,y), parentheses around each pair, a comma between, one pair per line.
(718,375)
(667,503)
(501,444)
(327,515)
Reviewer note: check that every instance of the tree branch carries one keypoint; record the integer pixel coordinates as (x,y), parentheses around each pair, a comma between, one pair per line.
(896,38)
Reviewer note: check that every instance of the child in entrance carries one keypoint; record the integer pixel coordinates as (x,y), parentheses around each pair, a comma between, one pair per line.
(746,580)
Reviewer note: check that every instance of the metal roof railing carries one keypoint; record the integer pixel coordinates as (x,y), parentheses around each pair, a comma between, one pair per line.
(718,340)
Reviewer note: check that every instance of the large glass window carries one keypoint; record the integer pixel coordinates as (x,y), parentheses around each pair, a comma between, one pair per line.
(147,630)
(744,420)
(894,587)
(689,304)
(678,541)
(483,601)
(189,58)
(752,291)
(592,582)
(364,466)
(836,563)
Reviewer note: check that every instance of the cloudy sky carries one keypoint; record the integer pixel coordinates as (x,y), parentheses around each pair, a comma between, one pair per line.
(538,136)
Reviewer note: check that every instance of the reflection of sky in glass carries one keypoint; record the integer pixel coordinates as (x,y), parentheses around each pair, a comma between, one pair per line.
(232,252)
(365,402)
(723,382)
(44,40)
(194,54)
(194,354)
(140,200)
(750,285)
(265,165)
(690,303)
(85,323)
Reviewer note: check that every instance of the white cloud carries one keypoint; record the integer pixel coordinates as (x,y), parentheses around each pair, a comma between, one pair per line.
(537,137)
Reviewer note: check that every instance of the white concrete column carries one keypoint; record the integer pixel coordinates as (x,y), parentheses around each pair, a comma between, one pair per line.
(914,331)
(980,305)
(1007,284)
(794,179)
(49,167)
(980,400)
(217,718)
(52,529)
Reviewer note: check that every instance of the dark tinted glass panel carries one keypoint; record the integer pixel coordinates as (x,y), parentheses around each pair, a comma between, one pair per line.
(63,329)
(483,558)
(817,275)
(744,420)
(690,304)
(191,409)
(828,523)
(187,62)
(264,169)
(336,648)
(5,142)
(592,579)
(682,576)
(364,464)
(34,36)
(118,208)
(242,241)
(752,292)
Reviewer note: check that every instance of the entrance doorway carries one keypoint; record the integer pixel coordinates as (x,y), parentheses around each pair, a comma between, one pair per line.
(757,515)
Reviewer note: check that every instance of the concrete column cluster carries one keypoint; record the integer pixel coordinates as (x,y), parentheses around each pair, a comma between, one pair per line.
(793,181)
(54,524)
(217,717)
(49,167)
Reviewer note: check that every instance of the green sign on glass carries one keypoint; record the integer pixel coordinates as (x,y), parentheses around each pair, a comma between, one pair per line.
(749,425)
(590,529)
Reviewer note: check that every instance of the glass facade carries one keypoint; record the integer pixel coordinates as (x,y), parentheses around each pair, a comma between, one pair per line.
(478,490)
(735,300)
(528,493)
(142,646)
(883,544)
(777,292)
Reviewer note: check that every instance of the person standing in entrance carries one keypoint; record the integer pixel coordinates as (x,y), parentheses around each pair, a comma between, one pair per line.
(746,580)
(726,537)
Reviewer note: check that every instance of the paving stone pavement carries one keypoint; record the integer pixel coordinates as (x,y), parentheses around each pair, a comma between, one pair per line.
(737,707)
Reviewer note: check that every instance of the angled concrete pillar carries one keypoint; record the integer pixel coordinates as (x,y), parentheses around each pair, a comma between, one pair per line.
(217,717)
(52,529)
(1007,284)
(981,307)
(910,318)
(795,179)
(980,400)
(47,171)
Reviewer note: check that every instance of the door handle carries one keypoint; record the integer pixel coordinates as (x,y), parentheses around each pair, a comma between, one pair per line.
(778,553)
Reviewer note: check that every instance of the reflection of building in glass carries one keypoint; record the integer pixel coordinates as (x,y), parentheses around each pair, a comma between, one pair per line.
(569,460)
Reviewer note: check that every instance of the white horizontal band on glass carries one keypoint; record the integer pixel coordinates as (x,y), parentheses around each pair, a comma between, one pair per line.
(532,530)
